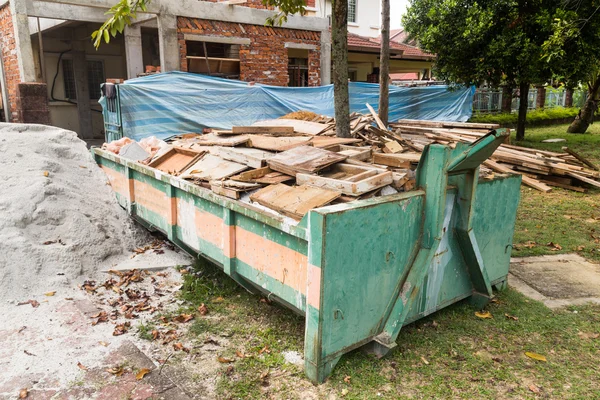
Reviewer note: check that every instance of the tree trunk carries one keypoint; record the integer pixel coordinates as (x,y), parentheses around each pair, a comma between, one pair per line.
(569,98)
(507,92)
(339,37)
(540,101)
(586,114)
(384,63)
(523,100)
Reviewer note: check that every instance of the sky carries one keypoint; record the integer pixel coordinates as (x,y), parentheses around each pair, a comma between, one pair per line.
(397,9)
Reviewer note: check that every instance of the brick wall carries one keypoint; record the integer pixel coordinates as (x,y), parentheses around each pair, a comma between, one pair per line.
(248,3)
(265,59)
(9,59)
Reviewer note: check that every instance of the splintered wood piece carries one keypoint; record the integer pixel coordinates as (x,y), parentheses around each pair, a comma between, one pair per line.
(254,158)
(277,143)
(402,160)
(263,175)
(264,130)
(380,124)
(356,153)
(232,189)
(175,160)
(349,179)
(304,159)
(526,180)
(303,127)
(393,147)
(328,142)
(211,167)
(211,139)
(295,201)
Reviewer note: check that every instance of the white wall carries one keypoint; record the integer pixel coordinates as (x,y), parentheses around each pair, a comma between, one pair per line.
(368,15)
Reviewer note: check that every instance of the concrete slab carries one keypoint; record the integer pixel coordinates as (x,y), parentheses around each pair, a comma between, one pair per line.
(557,280)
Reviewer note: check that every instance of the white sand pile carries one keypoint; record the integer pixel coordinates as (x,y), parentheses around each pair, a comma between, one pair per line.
(72,208)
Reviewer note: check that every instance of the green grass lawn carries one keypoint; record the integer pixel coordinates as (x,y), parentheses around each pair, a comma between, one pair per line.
(563,217)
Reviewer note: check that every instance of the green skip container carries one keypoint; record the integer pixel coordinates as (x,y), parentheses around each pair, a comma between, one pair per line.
(357,271)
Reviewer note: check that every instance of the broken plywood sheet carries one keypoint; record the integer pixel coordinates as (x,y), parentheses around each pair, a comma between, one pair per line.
(263,175)
(211,167)
(211,139)
(295,201)
(302,127)
(304,159)
(277,143)
(349,179)
(254,158)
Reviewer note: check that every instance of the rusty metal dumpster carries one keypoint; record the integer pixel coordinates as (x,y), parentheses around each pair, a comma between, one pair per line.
(358,271)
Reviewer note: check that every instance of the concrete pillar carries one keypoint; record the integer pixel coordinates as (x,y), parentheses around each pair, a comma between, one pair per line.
(325,57)
(18,9)
(133,51)
(84,111)
(167,43)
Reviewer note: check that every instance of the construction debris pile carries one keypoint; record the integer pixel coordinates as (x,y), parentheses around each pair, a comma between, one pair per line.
(296,163)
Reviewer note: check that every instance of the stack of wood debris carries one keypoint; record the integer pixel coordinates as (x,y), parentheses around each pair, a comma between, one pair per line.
(294,165)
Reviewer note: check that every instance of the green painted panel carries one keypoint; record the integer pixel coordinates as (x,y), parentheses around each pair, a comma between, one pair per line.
(495,212)
(272,234)
(153,219)
(366,251)
(110,164)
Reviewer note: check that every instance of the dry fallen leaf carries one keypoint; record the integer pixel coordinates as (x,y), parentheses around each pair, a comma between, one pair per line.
(49,294)
(508,316)
(155,334)
(184,318)
(347,379)
(229,370)
(23,393)
(81,366)
(118,370)
(34,303)
(534,388)
(180,346)
(202,309)
(121,329)
(483,314)
(46,173)
(224,360)
(218,300)
(103,343)
(585,335)
(554,246)
(141,373)
(535,356)
(424,361)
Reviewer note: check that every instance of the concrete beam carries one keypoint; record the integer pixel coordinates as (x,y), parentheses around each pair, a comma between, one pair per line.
(72,12)
(133,51)
(18,9)
(300,46)
(167,43)
(325,57)
(196,9)
(217,39)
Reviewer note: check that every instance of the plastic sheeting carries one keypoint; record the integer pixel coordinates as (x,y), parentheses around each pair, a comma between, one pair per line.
(177,102)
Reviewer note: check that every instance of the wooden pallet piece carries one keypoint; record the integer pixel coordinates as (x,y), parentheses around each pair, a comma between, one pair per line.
(263,175)
(325,142)
(349,179)
(295,201)
(304,159)
(175,160)
(232,189)
(402,160)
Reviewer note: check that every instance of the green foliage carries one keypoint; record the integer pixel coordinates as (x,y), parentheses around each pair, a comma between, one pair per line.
(493,41)
(533,117)
(286,7)
(122,14)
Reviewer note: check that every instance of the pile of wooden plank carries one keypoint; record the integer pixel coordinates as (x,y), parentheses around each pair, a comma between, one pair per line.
(292,165)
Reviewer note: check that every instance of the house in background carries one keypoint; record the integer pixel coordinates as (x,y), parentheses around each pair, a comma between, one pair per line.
(50,72)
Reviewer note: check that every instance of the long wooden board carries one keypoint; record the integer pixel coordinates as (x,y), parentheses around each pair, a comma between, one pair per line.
(401,160)
(254,158)
(526,180)
(277,143)
(264,130)
(210,139)
(263,175)
(295,201)
(304,127)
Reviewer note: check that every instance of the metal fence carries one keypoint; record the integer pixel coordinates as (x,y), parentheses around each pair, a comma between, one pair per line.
(490,101)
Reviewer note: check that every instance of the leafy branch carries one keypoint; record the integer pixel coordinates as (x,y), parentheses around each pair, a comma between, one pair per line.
(286,7)
(122,14)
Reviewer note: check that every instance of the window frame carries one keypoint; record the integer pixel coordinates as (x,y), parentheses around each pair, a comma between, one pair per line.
(354,19)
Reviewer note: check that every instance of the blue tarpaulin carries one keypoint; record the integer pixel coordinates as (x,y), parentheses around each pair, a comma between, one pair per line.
(177,102)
